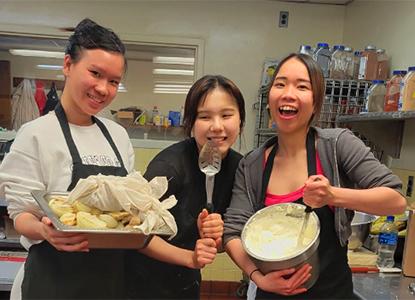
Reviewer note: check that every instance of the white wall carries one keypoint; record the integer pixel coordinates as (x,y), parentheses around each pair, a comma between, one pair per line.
(389,25)
(237,35)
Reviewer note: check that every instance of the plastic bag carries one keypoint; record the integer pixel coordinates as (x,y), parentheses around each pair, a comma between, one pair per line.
(133,194)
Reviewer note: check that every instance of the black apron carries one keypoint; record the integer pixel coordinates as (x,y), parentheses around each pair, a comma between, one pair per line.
(99,273)
(335,279)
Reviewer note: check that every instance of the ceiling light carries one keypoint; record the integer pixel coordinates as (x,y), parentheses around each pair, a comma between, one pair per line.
(174,60)
(37,53)
(49,67)
(170,91)
(173,72)
(173,86)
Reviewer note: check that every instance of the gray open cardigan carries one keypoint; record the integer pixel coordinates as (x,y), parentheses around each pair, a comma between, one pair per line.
(345,160)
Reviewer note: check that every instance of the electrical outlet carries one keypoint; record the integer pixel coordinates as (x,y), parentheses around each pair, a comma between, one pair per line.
(283,21)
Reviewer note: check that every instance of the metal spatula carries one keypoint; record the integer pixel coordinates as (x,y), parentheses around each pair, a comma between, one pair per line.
(307,211)
(210,161)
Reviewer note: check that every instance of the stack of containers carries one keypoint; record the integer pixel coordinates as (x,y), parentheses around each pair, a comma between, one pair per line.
(407,97)
(393,88)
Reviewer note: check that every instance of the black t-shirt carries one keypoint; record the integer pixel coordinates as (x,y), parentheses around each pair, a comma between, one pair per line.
(179,163)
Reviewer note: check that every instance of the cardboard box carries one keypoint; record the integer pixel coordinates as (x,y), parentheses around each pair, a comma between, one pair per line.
(125,114)
(408,262)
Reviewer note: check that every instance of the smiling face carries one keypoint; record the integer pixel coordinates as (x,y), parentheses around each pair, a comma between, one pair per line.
(91,82)
(291,97)
(218,120)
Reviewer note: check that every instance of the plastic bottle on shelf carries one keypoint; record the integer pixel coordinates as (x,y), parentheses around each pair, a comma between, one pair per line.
(382,70)
(407,96)
(306,49)
(348,63)
(388,240)
(393,88)
(356,64)
(375,99)
(155,115)
(368,63)
(337,63)
(322,55)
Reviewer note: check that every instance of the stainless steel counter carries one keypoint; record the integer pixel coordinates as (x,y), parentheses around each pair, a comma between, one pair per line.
(382,286)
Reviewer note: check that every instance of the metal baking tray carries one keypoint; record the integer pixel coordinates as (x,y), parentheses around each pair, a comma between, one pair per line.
(97,238)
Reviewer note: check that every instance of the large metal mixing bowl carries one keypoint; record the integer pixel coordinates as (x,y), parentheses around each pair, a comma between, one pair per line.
(360,229)
(307,254)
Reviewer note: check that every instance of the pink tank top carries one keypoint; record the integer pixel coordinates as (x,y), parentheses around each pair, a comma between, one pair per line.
(271,199)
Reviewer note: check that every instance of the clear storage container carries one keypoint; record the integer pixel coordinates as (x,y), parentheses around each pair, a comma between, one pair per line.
(407,97)
(337,63)
(322,56)
(375,97)
(382,65)
(368,63)
(393,88)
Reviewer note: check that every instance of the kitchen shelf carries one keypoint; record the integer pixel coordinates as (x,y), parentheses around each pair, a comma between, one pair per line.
(377,116)
(385,127)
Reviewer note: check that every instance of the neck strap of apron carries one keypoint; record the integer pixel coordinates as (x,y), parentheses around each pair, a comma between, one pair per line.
(63,121)
(311,162)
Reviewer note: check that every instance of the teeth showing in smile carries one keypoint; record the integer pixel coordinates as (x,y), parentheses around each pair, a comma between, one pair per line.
(288,110)
(95,99)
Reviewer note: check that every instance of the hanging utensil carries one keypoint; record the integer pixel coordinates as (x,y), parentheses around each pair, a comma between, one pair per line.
(210,161)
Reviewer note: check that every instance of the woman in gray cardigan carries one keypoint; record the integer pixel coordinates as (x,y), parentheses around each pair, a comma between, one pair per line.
(330,170)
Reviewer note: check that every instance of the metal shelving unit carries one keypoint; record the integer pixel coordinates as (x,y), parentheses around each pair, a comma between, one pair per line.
(342,98)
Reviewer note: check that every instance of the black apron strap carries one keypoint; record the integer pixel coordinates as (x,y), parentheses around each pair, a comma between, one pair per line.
(109,139)
(311,162)
(63,121)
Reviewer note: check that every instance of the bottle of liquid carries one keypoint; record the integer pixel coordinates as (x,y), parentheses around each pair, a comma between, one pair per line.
(393,88)
(382,64)
(368,63)
(388,239)
(375,99)
(337,63)
(356,65)
(348,62)
(407,97)
(155,116)
(322,56)
(306,49)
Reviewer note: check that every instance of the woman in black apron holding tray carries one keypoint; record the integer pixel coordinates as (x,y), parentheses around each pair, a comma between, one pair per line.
(55,151)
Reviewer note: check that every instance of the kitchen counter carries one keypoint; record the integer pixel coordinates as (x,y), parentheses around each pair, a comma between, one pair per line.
(382,286)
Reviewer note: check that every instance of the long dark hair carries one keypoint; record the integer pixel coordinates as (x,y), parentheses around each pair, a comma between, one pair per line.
(198,92)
